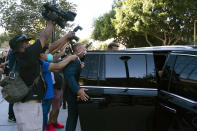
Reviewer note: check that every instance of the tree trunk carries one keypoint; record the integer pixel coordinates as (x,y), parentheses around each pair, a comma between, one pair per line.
(165,39)
(176,40)
(146,36)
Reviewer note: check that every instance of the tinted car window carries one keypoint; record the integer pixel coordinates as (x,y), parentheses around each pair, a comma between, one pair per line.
(185,77)
(193,74)
(91,66)
(150,66)
(116,66)
(167,71)
(182,64)
(169,67)
(102,67)
(137,66)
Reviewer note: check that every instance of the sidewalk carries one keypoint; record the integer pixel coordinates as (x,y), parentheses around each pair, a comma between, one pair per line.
(7,126)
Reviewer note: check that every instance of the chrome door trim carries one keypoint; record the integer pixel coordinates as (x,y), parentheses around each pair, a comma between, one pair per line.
(184,54)
(168,108)
(125,90)
(179,97)
(97,99)
(119,53)
(120,88)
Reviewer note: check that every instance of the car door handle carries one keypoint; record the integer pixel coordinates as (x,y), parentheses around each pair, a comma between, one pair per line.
(168,108)
(96,99)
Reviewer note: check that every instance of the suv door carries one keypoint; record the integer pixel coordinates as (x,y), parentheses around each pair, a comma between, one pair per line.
(123,97)
(178,94)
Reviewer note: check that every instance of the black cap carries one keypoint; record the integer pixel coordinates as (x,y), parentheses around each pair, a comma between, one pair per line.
(17,40)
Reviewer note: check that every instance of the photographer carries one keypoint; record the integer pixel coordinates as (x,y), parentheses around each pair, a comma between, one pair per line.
(28,112)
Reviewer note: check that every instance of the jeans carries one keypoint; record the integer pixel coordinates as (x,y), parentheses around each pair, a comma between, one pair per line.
(46,105)
(11,112)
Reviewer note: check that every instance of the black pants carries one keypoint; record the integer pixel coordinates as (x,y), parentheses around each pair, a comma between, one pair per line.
(72,118)
(64,98)
(11,112)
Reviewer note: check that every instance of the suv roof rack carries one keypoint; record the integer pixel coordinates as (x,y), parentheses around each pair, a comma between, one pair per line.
(170,47)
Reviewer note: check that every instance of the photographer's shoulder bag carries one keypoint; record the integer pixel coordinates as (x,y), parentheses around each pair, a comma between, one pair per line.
(14,88)
(39,85)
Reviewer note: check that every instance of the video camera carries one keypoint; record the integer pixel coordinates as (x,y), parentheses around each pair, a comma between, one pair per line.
(69,50)
(88,45)
(75,30)
(51,12)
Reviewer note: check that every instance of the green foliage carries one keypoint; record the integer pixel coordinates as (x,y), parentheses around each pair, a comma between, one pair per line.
(195,42)
(137,23)
(4,37)
(103,27)
(101,46)
(166,20)
(25,16)
(84,41)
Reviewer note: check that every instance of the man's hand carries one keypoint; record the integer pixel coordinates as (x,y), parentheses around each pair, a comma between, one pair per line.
(82,94)
(70,35)
(82,65)
(1,71)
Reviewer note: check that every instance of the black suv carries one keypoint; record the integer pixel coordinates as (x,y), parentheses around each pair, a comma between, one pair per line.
(145,89)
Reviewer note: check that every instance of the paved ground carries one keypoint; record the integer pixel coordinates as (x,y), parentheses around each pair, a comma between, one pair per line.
(7,126)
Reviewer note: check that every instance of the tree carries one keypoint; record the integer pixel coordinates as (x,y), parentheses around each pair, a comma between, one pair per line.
(84,41)
(4,37)
(103,28)
(102,46)
(166,20)
(25,16)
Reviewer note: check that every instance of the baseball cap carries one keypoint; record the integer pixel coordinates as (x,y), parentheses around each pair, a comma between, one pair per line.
(17,40)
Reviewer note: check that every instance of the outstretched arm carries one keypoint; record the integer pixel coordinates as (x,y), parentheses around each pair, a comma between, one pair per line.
(59,66)
(74,86)
(58,55)
(46,33)
(57,45)
(69,76)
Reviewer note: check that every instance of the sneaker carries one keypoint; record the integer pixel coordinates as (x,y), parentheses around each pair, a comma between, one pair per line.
(58,125)
(12,120)
(50,127)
